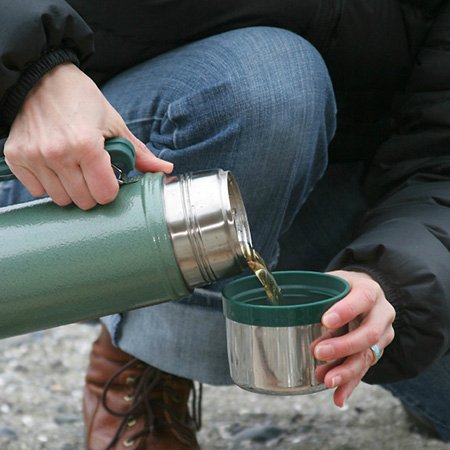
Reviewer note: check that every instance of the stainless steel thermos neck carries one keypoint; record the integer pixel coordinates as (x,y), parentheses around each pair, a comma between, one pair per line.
(207,224)
(162,237)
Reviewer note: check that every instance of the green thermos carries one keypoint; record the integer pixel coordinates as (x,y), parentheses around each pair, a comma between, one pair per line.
(162,237)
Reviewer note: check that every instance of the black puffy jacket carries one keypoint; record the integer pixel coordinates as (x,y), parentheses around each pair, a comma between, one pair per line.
(390,65)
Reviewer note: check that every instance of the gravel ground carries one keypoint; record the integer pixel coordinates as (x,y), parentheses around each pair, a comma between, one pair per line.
(41,382)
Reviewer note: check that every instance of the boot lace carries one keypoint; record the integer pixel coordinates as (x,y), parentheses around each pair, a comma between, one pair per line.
(141,404)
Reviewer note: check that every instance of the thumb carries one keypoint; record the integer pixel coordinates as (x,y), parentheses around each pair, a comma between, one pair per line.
(146,161)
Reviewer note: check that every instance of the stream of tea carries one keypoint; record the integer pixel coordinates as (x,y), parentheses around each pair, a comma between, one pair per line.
(262,272)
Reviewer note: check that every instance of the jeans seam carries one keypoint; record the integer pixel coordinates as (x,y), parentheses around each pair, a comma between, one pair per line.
(175,127)
(144,119)
(151,121)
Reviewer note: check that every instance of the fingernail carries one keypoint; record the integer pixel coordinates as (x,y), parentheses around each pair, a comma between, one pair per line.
(335,381)
(324,352)
(331,319)
(344,406)
(169,167)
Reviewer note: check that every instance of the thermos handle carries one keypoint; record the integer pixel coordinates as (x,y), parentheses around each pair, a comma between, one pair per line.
(121,150)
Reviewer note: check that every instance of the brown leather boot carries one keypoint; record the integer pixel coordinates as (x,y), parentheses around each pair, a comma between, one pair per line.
(129,405)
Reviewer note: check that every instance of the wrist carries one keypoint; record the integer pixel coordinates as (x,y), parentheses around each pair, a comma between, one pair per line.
(13,100)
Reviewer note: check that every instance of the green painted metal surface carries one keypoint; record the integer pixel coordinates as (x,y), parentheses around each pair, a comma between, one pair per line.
(61,265)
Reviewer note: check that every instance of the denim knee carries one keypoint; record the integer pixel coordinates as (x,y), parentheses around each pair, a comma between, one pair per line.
(277,80)
(257,101)
(265,85)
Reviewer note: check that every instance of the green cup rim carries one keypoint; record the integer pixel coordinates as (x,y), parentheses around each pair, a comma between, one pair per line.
(237,294)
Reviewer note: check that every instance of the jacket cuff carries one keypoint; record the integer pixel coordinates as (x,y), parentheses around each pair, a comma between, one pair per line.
(390,292)
(14,99)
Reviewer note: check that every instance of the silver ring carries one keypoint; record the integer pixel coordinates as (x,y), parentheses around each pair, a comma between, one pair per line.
(376,354)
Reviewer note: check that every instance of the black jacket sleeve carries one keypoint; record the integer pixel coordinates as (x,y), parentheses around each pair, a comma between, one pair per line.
(404,241)
(35,36)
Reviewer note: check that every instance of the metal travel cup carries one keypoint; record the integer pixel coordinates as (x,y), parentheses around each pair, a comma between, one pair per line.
(162,237)
(269,347)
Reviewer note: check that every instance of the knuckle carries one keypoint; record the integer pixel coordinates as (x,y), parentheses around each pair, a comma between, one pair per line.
(390,335)
(368,294)
(373,335)
(392,313)
(352,371)
(349,309)
(53,153)
(348,347)
(10,151)
(88,145)
(19,154)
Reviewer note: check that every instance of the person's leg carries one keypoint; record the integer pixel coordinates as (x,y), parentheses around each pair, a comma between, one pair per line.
(427,396)
(255,101)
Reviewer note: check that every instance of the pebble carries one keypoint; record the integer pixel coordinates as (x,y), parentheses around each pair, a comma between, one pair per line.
(61,419)
(5,408)
(8,433)
(28,421)
(258,433)
(41,381)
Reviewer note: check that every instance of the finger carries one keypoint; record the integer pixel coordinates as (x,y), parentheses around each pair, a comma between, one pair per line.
(351,368)
(355,366)
(342,393)
(146,161)
(99,176)
(361,299)
(53,186)
(327,334)
(351,343)
(76,187)
(322,370)
(28,179)
(85,172)
(341,370)
(346,382)
(376,328)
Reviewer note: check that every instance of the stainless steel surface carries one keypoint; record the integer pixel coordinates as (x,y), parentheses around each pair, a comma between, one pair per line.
(120,174)
(273,360)
(207,222)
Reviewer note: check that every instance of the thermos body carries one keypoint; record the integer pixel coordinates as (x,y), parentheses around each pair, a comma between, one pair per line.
(161,238)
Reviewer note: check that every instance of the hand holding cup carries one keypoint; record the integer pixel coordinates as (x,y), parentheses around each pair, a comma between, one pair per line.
(369,317)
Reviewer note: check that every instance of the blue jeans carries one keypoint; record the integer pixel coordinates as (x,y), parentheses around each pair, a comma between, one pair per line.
(428,395)
(258,102)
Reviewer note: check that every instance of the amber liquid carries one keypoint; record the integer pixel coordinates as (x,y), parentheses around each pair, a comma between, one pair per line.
(259,267)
